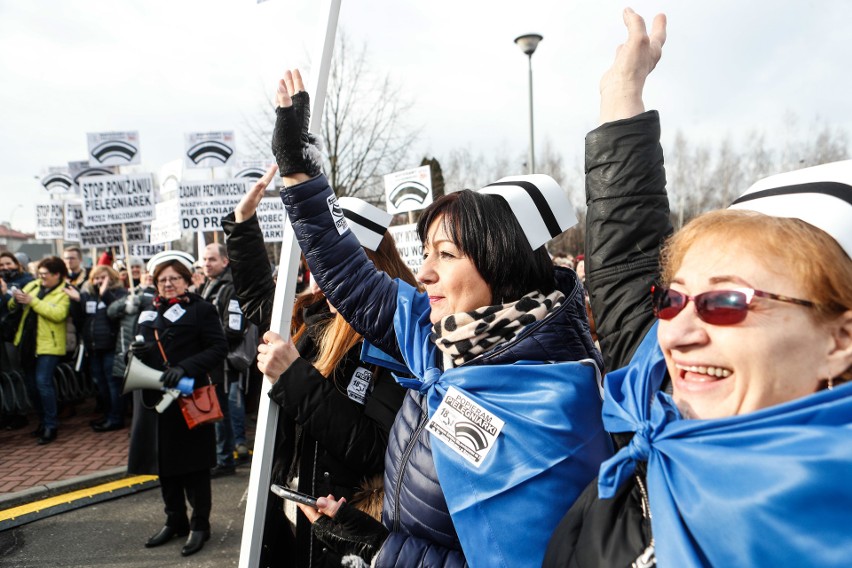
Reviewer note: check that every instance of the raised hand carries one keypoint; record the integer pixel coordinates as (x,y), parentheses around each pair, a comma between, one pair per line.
(248,204)
(622,85)
(274,355)
(293,146)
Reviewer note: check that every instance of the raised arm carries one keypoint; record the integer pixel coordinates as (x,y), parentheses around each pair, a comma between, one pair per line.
(628,213)
(364,296)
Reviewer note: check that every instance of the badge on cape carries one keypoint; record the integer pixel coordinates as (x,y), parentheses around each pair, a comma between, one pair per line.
(174,313)
(464,426)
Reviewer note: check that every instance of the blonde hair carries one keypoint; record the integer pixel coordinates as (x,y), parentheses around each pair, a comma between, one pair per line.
(337,337)
(112,275)
(808,254)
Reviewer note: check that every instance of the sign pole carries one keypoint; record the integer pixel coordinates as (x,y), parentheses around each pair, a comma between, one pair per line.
(285,294)
(127,259)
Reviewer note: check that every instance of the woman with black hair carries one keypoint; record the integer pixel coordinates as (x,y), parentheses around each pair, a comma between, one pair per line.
(41,339)
(503,410)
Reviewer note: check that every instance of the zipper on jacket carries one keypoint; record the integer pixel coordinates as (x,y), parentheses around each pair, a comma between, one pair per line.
(404,463)
(648,558)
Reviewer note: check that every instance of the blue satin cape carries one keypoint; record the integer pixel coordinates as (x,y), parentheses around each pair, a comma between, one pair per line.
(549,450)
(768,488)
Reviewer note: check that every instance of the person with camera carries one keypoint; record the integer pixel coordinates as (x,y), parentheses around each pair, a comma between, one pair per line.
(181,336)
(40,339)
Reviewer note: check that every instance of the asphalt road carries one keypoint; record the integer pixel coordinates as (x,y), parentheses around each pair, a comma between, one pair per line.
(113,533)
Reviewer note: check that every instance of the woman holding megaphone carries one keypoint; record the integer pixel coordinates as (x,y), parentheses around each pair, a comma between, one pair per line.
(181,337)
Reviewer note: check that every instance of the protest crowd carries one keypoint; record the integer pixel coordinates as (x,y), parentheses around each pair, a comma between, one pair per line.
(664,398)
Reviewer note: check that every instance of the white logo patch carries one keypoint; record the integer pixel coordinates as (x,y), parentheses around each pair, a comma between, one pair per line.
(174,313)
(147,316)
(91,307)
(234,307)
(359,385)
(467,428)
(235,321)
(337,215)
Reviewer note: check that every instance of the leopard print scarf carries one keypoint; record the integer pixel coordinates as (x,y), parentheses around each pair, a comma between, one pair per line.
(463,336)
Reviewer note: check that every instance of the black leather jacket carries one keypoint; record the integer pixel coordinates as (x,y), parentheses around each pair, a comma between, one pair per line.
(626,224)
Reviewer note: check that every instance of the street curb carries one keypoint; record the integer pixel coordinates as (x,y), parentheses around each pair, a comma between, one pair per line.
(54,488)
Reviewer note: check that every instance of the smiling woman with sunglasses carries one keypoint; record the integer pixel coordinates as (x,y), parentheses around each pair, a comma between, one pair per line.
(729,407)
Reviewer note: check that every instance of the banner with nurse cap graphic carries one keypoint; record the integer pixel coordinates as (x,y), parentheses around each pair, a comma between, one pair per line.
(820,196)
(539,204)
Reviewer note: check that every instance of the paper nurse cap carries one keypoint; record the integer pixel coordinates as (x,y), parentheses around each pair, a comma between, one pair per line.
(538,203)
(820,196)
(367,222)
(164,256)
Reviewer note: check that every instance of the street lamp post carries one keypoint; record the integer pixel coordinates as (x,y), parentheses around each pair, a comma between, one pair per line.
(528,43)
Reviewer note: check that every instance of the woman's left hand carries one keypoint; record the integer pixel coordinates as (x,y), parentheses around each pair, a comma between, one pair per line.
(248,204)
(274,355)
(294,147)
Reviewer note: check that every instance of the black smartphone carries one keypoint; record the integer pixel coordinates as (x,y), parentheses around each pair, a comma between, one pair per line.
(296,496)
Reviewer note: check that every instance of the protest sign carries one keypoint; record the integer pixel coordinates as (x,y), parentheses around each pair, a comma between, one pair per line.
(117,199)
(110,235)
(49,221)
(73,220)
(208,149)
(270,215)
(408,190)
(204,203)
(58,181)
(165,228)
(146,251)
(113,148)
(408,245)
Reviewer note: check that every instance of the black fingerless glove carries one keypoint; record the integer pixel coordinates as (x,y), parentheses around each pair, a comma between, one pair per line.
(172,376)
(351,531)
(295,149)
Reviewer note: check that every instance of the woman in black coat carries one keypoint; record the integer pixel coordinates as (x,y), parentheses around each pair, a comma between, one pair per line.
(192,340)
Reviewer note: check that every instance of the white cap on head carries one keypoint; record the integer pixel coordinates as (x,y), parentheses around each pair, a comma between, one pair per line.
(539,204)
(164,256)
(367,222)
(820,196)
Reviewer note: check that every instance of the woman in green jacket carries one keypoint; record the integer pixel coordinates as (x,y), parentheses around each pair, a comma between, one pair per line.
(41,339)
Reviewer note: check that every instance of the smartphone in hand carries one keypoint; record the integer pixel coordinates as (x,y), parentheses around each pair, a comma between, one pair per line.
(296,496)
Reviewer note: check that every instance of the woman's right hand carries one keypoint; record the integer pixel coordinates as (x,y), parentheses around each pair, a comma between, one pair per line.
(248,204)
(72,292)
(293,146)
(622,85)
(274,355)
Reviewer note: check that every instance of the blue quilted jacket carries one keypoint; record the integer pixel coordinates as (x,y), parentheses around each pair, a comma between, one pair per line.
(415,510)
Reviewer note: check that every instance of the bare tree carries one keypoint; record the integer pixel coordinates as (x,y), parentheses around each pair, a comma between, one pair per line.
(364,129)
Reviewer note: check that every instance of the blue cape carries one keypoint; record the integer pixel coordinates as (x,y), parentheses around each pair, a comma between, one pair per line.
(768,488)
(548,451)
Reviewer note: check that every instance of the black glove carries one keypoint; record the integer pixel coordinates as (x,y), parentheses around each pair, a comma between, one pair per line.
(351,531)
(172,376)
(139,348)
(295,149)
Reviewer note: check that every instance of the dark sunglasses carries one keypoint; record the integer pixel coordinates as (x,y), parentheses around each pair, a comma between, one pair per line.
(717,307)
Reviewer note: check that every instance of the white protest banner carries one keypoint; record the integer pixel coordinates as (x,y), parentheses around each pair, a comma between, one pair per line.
(146,251)
(408,244)
(58,181)
(73,220)
(113,148)
(165,228)
(270,215)
(117,199)
(169,176)
(110,235)
(204,203)
(208,149)
(408,190)
(49,221)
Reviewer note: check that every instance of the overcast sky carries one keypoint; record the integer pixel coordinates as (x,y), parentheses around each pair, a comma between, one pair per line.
(166,67)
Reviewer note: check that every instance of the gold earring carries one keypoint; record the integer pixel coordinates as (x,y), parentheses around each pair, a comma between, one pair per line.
(830,383)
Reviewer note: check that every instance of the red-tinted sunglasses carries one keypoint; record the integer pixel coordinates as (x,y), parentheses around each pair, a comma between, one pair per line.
(717,307)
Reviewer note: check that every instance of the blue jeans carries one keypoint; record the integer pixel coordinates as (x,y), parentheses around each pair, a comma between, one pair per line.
(237,408)
(109,387)
(224,433)
(42,390)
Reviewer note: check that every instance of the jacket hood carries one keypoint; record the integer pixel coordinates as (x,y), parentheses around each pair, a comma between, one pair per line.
(564,335)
